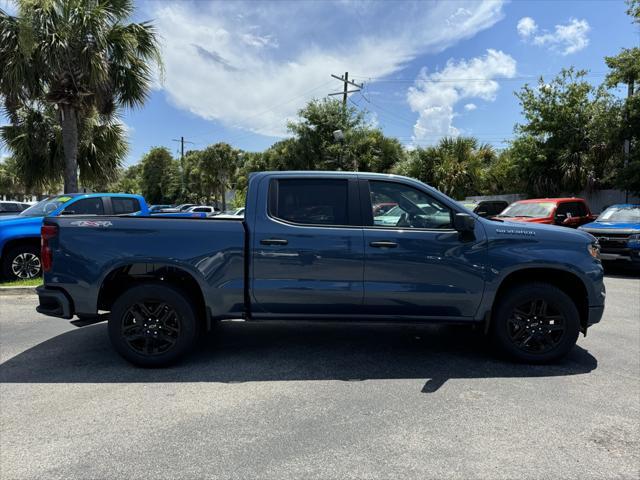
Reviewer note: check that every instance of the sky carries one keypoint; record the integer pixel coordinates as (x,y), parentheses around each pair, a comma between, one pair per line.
(237,71)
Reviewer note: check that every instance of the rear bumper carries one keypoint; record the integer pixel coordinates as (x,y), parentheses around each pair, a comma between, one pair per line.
(54,303)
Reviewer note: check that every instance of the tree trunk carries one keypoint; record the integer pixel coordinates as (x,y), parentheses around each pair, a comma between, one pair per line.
(69,123)
(224,200)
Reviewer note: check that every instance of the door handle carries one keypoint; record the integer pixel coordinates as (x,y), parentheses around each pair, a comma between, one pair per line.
(384,244)
(274,241)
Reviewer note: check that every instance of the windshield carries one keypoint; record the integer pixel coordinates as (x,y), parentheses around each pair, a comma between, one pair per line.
(531,210)
(46,206)
(627,214)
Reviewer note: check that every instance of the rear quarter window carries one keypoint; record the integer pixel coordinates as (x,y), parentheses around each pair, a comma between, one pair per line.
(123,206)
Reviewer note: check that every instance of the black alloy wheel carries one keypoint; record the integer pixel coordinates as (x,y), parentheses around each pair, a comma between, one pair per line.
(151,327)
(536,327)
(153,324)
(535,323)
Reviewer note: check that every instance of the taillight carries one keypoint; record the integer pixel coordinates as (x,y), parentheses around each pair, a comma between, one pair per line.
(47,232)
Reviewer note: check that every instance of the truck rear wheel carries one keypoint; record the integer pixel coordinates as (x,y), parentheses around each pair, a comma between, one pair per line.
(152,325)
(535,323)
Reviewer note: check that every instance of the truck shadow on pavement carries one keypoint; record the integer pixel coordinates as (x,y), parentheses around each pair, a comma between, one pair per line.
(246,352)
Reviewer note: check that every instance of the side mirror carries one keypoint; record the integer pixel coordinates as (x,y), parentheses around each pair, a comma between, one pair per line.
(559,218)
(482,213)
(463,222)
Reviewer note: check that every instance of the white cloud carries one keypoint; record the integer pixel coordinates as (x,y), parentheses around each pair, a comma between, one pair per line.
(469,107)
(252,66)
(527,27)
(434,95)
(565,39)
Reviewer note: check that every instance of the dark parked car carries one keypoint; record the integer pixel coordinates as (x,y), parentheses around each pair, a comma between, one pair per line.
(12,208)
(309,248)
(487,208)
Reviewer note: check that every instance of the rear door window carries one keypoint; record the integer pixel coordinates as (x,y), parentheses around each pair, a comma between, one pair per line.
(310,201)
(123,206)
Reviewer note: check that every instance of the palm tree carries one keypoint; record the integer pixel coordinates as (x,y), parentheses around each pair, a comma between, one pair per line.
(80,58)
(35,140)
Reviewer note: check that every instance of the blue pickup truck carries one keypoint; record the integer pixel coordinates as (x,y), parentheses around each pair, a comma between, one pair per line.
(618,232)
(310,248)
(20,233)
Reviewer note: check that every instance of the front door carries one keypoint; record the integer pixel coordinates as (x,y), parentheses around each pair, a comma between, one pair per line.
(415,262)
(308,250)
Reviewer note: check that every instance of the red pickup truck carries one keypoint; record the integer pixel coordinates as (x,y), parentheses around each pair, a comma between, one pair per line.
(569,212)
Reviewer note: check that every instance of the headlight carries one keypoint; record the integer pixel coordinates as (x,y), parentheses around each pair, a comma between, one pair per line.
(594,250)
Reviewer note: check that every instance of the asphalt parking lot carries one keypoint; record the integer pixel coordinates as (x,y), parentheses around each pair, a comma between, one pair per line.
(319,401)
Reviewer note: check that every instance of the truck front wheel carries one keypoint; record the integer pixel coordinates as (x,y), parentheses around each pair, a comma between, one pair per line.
(535,323)
(152,325)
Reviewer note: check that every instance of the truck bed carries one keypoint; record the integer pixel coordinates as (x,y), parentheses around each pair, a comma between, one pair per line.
(210,251)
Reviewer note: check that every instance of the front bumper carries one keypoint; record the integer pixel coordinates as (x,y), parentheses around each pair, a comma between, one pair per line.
(625,255)
(54,303)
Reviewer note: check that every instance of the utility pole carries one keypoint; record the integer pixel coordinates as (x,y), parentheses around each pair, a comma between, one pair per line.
(338,134)
(182,173)
(345,79)
(627,142)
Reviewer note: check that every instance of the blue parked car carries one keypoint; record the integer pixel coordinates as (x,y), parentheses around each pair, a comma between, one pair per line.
(618,232)
(20,233)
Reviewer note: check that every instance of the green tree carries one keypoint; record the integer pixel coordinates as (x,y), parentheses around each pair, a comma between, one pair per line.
(129,180)
(559,146)
(316,146)
(159,176)
(624,68)
(80,57)
(35,139)
(211,172)
(454,166)
(634,10)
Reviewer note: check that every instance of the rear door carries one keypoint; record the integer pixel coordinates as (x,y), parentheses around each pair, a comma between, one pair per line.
(415,262)
(307,244)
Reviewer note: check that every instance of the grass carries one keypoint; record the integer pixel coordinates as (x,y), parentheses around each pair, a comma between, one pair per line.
(33,282)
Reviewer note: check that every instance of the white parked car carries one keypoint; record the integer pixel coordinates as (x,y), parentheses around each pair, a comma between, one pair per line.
(231,214)
(209,210)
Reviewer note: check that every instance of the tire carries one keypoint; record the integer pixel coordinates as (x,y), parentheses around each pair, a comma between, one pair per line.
(21,262)
(153,325)
(535,334)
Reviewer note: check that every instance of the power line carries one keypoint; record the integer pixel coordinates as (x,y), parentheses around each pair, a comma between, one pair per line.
(456,80)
